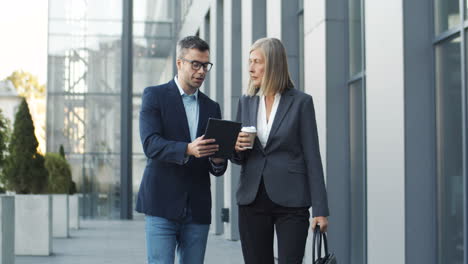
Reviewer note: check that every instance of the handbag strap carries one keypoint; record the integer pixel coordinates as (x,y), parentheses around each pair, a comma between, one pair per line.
(325,242)
(314,240)
(317,239)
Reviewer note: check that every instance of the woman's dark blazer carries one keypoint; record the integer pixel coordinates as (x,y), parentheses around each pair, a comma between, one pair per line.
(290,163)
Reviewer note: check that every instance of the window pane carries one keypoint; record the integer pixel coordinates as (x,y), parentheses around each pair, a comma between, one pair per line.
(449,152)
(85,11)
(355,37)
(139,158)
(83,110)
(152,65)
(447,15)
(358,174)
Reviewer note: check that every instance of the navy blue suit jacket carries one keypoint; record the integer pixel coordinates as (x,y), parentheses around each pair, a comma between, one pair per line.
(169,184)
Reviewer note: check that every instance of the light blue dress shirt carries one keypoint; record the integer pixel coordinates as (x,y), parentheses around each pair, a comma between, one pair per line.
(191,110)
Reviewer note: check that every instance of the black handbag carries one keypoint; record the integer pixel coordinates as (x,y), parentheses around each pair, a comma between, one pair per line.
(327,258)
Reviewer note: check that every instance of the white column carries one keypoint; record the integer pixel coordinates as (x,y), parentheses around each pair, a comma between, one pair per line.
(315,79)
(7,229)
(216,83)
(247,40)
(232,92)
(205,35)
(273,17)
(253,28)
(385,132)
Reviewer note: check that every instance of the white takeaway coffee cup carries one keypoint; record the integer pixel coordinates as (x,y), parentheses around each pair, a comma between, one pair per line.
(252,131)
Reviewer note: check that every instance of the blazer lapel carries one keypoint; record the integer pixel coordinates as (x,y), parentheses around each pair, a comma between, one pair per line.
(202,114)
(283,107)
(253,107)
(179,111)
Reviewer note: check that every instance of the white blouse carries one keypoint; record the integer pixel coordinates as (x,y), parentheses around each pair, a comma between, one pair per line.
(264,127)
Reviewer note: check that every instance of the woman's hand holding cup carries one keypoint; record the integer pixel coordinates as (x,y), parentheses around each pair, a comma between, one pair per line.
(245,139)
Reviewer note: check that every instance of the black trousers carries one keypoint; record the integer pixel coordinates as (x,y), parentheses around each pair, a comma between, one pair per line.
(256,227)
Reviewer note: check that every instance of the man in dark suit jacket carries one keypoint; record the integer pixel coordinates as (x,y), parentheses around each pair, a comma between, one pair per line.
(175,190)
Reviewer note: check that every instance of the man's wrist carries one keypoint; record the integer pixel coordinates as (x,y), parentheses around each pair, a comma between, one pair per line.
(187,151)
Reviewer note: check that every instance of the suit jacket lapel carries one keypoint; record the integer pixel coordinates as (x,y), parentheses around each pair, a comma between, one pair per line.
(283,107)
(202,114)
(179,111)
(253,107)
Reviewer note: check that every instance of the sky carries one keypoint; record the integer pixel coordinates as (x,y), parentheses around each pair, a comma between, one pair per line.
(23,37)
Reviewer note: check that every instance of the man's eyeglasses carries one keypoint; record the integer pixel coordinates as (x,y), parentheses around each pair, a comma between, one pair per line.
(196,65)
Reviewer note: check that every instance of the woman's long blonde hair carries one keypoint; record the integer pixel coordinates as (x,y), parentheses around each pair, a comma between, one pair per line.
(276,77)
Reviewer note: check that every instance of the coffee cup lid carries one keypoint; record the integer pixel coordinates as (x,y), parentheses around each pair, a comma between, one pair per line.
(250,129)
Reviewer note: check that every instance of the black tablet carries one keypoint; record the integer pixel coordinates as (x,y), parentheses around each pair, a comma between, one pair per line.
(225,132)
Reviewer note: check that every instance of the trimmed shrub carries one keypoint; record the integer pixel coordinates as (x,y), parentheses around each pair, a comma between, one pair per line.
(59,174)
(72,189)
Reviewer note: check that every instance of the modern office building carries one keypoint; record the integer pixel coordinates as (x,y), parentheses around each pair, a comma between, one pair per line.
(85,91)
(9,100)
(388,80)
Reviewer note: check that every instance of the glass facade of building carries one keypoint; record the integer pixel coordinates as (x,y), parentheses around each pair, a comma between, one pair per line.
(84,90)
(450,86)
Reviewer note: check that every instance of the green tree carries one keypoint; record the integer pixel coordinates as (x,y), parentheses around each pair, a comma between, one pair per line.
(24,171)
(4,137)
(62,151)
(60,180)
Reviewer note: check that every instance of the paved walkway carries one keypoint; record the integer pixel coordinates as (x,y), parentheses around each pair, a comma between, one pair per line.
(121,242)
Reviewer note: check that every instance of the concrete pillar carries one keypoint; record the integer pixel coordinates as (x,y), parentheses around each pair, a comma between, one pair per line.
(421,148)
(385,132)
(325,77)
(232,92)
(315,77)
(273,17)
(33,225)
(216,93)
(247,40)
(283,23)
(205,35)
(253,28)
(7,229)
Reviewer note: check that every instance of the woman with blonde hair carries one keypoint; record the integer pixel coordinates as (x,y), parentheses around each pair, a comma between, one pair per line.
(282,174)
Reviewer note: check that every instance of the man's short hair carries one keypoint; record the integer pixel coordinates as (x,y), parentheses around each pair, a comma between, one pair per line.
(191,42)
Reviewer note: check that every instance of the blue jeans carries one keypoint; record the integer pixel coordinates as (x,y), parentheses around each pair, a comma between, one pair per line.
(164,237)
